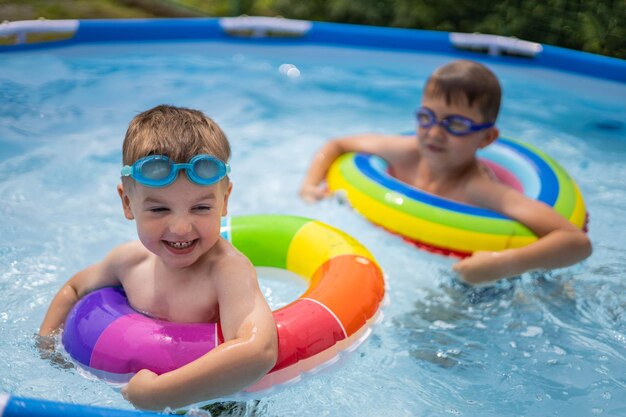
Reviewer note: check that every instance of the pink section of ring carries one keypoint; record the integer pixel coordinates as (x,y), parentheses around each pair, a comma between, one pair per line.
(504,175)
(134,342)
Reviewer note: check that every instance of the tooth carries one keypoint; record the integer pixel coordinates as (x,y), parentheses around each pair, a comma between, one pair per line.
(181,245)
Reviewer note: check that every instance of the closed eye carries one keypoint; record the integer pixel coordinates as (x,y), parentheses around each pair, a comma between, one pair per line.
(158,209)
(202,208)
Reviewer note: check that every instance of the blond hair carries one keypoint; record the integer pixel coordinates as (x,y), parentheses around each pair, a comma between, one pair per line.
(468,82)
(176,132)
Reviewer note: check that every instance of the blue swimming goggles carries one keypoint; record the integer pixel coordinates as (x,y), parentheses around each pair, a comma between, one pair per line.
(455,124)
(159,171)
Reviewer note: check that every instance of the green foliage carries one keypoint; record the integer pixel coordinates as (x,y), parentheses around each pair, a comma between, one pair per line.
(588,25)
(68,9)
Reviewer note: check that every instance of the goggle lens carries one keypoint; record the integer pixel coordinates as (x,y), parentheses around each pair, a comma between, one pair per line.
(457,125)
(155,169)
(425,118)
(206,169)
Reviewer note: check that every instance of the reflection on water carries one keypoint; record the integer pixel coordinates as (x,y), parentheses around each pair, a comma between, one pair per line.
(528,336)
(228,409)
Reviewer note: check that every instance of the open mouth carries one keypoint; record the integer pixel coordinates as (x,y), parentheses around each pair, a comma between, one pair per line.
(435,148)
(180,247)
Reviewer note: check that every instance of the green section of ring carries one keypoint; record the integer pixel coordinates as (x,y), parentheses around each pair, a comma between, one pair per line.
(411,207)
(566,199)
(265,238)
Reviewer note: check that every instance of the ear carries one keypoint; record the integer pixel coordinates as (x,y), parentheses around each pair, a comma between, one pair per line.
(226,196)
(491,135)
(128,212)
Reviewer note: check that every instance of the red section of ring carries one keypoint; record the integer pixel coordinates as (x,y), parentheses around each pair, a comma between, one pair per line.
(304,328)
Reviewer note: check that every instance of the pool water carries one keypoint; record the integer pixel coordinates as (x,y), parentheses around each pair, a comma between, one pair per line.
(545,344)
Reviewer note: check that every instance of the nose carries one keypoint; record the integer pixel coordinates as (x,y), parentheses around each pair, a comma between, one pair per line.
(436,131)
(180,226)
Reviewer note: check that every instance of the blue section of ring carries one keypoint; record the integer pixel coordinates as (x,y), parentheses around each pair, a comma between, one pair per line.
(22,407)
(548,193)
(549,182)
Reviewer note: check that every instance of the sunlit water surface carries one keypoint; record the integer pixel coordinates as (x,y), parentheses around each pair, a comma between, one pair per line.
(542,345)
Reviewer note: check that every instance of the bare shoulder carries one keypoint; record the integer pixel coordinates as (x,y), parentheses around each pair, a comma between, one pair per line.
(403,149)
(484,191)
(126,256)
(400,142)
(111,270)
(228,266)
(129,251)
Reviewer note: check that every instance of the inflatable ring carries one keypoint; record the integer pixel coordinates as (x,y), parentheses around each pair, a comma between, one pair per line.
(111,340)
(453,228)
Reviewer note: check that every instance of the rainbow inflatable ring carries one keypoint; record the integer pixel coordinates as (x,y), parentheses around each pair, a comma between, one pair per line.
(335,314)
(448,227)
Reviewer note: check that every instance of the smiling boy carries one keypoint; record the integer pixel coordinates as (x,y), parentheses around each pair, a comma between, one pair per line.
(181,269)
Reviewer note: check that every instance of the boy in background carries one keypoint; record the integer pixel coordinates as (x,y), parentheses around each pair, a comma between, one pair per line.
(457,117)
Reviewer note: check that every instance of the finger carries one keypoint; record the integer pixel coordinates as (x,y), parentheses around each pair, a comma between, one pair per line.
(125,392)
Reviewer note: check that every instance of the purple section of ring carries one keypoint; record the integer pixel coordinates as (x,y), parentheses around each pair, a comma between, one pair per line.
(90,316)
(136,342)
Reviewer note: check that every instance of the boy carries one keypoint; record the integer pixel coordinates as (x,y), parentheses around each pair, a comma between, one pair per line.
(457,117)
(181,269)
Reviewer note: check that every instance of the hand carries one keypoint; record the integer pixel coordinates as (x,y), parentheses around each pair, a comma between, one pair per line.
(46,345)
(141,391)
(483,267)
(313,193)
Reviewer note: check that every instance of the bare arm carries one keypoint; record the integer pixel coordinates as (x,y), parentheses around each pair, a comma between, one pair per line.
(377,144)
(248,353)
(95,276)
(63,301)
(560,243)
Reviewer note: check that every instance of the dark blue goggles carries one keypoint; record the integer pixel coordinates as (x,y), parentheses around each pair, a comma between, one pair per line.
(455,124)
(159,171)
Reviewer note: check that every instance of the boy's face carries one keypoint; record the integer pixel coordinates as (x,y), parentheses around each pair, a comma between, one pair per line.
(179,223)
(441,147)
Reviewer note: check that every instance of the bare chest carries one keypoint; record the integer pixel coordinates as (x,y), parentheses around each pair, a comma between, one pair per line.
(180,299)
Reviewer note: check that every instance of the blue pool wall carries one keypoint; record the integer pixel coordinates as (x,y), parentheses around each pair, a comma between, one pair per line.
(124,30)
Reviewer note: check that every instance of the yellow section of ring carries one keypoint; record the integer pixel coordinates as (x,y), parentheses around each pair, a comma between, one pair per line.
(316,243)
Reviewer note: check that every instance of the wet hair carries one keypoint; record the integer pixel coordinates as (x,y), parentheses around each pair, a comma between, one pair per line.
(176,132)
(467,82)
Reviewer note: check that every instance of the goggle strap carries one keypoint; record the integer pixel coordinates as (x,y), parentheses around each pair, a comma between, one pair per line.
(482,126)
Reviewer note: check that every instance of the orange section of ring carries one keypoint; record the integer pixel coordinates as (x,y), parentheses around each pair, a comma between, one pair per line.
(351,287)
